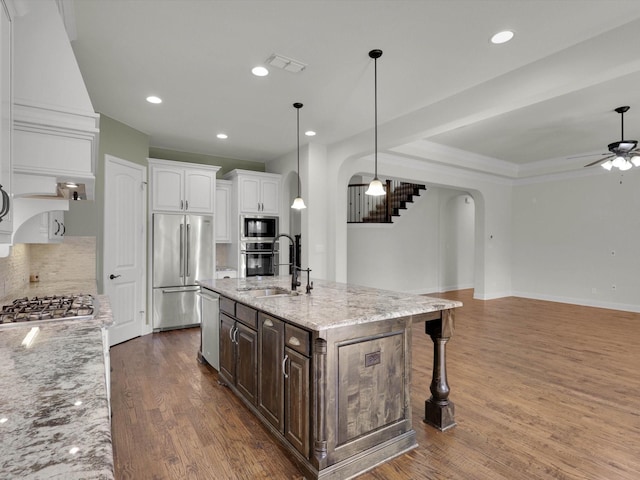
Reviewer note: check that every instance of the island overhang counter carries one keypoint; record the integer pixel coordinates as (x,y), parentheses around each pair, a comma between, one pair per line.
(329,372)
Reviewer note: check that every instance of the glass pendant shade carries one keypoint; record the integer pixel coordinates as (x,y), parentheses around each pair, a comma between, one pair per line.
(618,162)
(607,165)
(635,160)
(626,166)
(298,203)
(375,188)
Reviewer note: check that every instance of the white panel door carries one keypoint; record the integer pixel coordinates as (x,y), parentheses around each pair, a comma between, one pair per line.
(124,248)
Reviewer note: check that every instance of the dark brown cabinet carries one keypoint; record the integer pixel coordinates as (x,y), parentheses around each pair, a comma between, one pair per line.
(283,373)
(296,400)
(336,398)
(270,382)
(239,349)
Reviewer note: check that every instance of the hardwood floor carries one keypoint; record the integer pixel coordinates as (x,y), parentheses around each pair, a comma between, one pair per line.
(542,390)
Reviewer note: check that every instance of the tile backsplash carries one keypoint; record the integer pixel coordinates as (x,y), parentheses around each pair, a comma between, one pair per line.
(74,259)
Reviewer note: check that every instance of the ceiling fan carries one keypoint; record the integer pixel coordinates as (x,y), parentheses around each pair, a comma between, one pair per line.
(623,154)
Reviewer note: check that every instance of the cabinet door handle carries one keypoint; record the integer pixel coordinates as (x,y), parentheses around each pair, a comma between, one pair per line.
(64,229)
(186,204)
(284,366)
(181,204)
(235,335)
(231,334)
(57,229)
(6,203)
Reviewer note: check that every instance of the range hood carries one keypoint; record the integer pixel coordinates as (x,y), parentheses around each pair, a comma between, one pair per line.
(55,129)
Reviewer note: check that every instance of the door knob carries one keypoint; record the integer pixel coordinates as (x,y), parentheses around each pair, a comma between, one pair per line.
(112,276)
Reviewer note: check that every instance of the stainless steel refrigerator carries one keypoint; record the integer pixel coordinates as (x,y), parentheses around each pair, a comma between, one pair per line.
(183,252)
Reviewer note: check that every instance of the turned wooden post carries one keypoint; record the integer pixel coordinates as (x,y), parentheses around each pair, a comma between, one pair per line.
(320,402)
(439,410)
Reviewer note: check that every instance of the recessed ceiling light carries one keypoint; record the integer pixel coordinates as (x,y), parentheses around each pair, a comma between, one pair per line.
(260,71)
(310,133)
(222,136)
(154,99)
(502,37)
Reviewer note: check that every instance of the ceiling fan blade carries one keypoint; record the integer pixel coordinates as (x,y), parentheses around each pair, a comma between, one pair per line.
(600,160)
(588,155)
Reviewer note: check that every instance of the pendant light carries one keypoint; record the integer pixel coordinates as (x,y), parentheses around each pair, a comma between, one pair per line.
(298,203)
(375,187)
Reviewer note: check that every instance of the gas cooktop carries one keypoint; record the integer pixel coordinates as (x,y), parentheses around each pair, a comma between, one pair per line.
(54,307)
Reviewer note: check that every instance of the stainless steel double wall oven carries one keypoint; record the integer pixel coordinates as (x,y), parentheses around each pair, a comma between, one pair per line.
(257,234)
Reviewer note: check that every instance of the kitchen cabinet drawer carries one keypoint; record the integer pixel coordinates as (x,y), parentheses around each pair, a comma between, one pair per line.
(228,306)
(297,339)
(247,315)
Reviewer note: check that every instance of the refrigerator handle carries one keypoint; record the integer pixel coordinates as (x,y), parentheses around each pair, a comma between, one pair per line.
(188,242)
(181,250)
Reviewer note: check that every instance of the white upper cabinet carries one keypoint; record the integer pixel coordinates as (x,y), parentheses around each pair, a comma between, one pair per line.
(5,125)
(257,192)
(223,211)
(182,187)
(199,190)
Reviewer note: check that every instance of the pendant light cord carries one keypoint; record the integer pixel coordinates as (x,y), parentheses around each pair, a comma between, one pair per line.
(375,112)
(298,139)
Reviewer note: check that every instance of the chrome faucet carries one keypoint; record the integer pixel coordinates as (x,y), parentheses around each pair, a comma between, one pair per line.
(294,276)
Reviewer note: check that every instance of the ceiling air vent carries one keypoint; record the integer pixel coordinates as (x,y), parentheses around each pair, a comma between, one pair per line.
(285,63)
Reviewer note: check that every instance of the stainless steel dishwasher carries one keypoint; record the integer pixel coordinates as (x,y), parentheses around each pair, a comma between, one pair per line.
(210,326)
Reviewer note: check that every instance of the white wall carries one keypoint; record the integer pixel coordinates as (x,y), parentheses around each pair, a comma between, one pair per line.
(457,240)
(402,256)
(429,248)
(565,233)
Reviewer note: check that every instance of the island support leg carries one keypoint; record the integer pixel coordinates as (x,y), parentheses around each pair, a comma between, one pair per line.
(438,409)
(320,402)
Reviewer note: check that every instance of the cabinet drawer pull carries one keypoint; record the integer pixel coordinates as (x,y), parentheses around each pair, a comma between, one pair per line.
(284,366)
(268,323)
(294,341)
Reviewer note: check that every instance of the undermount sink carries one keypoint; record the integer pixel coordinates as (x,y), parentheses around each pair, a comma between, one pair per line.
(269,292)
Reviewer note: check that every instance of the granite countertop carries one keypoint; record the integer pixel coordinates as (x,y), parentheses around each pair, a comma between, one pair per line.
(330,304)
(54,410)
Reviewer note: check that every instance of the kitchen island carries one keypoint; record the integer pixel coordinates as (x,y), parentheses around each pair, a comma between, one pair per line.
(54,402)
(329,372)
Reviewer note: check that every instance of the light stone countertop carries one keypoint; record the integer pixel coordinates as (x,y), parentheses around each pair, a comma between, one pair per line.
(53,397)
(330,304)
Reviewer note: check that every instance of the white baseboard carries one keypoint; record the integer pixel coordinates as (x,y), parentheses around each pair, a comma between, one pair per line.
(580,301)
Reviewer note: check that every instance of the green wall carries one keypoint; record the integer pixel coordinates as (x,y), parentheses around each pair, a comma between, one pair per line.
(225,164)
(87,218)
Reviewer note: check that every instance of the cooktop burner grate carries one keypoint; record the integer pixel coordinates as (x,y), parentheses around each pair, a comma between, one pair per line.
(48,308)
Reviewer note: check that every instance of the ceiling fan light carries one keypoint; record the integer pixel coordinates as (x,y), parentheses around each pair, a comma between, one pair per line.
(375,188)
(626,166)
(619,161)
(636,160)
(607,165)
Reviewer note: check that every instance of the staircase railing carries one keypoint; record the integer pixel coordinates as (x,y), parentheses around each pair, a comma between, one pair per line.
(368,208)
(365,208)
